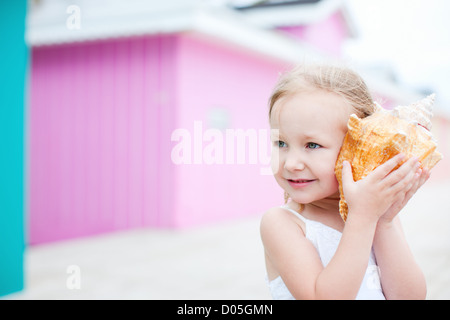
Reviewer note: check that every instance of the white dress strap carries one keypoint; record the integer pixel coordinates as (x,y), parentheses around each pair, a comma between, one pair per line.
(294,212)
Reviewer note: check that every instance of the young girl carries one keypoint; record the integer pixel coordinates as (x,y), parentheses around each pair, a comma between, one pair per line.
(310,252)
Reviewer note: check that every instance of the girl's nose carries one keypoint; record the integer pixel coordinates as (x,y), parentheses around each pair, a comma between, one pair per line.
(294,163)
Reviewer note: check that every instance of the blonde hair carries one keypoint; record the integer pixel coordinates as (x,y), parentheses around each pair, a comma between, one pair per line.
(336,79)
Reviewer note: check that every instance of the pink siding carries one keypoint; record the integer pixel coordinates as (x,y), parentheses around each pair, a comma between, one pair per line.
(96,122)
(326,35)
(101,119)
(102,116)
(212,76)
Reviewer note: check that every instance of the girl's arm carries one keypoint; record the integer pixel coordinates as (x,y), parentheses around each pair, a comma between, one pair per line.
(368,200)
(401,277)
(342,277)
(296,259)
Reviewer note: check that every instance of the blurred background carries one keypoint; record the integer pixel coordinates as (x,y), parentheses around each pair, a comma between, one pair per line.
(135,133)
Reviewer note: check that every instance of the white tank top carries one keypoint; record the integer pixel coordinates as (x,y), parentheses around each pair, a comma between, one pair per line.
(326,240)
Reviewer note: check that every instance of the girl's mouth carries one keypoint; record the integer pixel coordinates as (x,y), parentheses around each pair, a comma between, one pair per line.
(299,183)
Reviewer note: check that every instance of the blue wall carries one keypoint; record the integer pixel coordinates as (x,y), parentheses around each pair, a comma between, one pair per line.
(13,64)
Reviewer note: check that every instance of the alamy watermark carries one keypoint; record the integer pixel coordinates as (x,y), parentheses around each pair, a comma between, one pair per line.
(73,281)
(73,21)
(224,147)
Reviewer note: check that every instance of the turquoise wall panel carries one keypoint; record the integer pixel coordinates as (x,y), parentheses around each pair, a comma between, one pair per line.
(13,64)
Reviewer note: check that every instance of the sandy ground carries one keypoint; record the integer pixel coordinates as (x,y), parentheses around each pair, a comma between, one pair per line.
(223,261)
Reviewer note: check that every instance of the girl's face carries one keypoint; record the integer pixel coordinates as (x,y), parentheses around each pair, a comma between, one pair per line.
(311,127)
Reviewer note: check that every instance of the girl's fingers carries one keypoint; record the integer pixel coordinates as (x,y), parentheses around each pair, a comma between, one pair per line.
(383,170)
(415,185)
(403,176)
(420,177)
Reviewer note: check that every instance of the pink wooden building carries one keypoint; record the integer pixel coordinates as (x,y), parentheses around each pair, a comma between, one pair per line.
(158,117)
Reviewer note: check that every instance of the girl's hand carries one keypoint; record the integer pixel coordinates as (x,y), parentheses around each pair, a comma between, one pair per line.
(383,190)
(420,177)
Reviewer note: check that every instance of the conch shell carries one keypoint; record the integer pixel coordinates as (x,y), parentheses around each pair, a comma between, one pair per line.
(373,140)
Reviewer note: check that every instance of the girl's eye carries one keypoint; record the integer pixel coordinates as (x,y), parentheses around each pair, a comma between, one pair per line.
(280,144)
(312,145)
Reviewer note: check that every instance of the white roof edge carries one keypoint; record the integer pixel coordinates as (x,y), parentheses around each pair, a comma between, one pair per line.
(43,31)
(299,15)
(47,22)
(225,25)
(221,23)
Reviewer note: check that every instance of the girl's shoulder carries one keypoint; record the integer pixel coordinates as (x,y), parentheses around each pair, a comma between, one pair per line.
(279,221)
(276,215)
